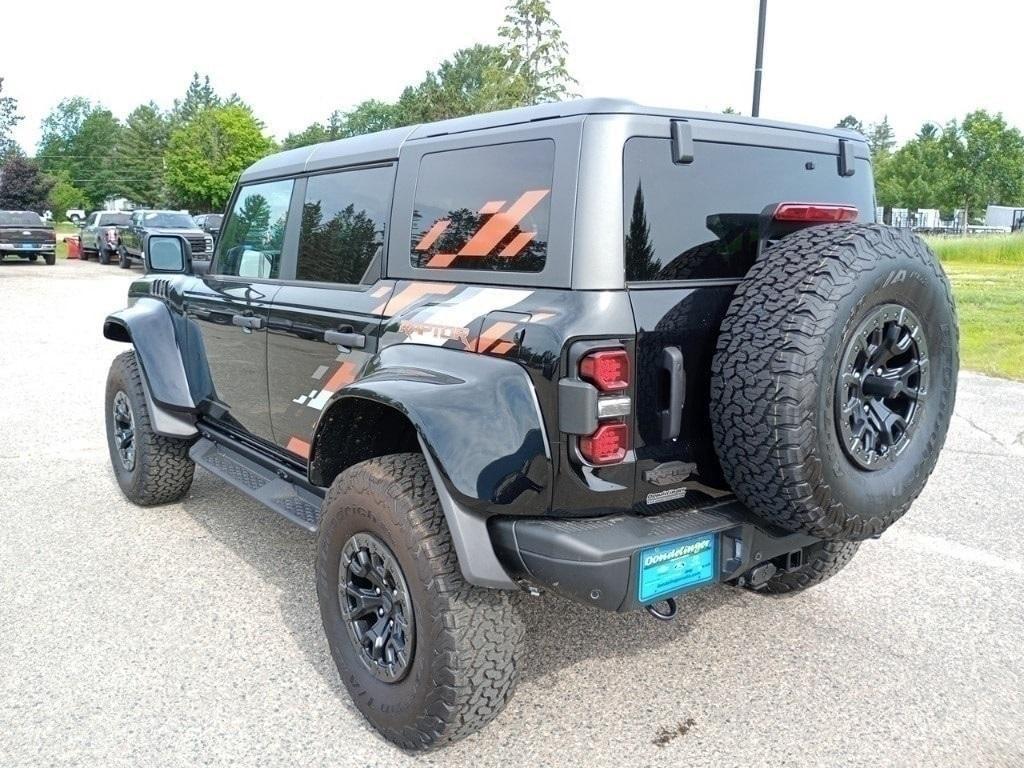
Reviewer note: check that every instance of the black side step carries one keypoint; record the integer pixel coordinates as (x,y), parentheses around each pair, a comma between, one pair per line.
(262,483)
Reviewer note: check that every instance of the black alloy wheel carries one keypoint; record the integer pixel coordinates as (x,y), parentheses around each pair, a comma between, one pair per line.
(124,430)
(376,606)
(882,386)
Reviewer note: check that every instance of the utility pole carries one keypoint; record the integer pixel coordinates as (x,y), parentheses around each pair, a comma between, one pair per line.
(755,110)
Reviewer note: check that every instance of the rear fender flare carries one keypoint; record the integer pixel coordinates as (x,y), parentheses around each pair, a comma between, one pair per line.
(476,416)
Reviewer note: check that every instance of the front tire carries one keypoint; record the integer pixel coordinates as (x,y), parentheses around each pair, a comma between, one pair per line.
(150,468)
(123,260)
(50,258)
(461,643)
(103,255)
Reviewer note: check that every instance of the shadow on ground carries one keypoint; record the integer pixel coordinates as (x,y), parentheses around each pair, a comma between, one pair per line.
(560,633)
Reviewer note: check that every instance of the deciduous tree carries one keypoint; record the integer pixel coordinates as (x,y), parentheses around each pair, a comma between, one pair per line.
(205,155)
(9,118)
(23,187)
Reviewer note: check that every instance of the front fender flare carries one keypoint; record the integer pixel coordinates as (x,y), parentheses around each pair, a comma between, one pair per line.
(148,325)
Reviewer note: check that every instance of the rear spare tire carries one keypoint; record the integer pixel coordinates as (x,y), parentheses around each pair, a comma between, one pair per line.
(834,379)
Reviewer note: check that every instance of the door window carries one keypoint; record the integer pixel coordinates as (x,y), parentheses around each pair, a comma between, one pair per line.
(344,218)
(251,243)
(485,208)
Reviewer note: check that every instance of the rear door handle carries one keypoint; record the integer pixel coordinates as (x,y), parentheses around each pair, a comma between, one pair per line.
(672,416)
(345,339)
(248,322)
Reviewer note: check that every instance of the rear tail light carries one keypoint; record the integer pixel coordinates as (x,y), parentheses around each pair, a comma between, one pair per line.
(608,445)
(813,213)
(609,371)
(111,235)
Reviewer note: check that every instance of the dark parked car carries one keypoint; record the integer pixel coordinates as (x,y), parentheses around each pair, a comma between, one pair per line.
(101,234)
(26,234)
(146,222)
(210,222)
(604,350)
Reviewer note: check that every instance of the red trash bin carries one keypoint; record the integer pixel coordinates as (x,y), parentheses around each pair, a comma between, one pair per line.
(74,247)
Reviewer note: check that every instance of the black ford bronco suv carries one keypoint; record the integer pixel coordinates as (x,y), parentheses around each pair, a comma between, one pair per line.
(603,350)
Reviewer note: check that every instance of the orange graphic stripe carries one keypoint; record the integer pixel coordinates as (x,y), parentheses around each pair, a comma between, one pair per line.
(500,224)
(298,447)
(492,206)
(518,243)
(442,259)
(432,234)
(346,374)
(502,348)
(493,335)
(413,292)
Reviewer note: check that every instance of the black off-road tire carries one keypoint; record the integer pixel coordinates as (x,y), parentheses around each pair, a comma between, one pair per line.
(821,561)
(103,255)
(162,470)
(467,640)
(50,258)
(123,260)
(776,368)
(32,258)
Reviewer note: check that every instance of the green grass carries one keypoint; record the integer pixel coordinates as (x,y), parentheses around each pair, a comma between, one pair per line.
(1007,250)
(990,306)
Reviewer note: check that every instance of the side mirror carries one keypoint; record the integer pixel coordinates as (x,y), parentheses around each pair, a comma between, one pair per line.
(168,254)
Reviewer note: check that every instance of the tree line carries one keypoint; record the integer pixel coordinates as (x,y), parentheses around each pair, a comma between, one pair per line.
(964,164)
(189,156)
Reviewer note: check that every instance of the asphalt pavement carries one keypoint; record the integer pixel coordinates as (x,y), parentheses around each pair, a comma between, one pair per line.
(189,634)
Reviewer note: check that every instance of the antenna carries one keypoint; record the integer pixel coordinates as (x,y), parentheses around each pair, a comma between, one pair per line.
(755,110)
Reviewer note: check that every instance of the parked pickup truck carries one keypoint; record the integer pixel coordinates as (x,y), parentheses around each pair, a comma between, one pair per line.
(25,234)
(144,223)
(102,232)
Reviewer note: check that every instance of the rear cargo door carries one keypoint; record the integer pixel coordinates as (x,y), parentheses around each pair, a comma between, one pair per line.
(691,233)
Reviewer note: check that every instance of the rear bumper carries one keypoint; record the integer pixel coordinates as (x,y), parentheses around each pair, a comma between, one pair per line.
(28,247)
(596,561)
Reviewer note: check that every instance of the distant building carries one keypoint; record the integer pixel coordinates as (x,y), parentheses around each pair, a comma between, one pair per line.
(1006,217)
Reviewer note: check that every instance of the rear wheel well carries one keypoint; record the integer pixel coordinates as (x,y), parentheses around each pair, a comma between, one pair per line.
(356,429)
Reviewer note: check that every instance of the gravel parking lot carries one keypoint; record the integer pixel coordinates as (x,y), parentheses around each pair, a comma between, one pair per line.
(190,634)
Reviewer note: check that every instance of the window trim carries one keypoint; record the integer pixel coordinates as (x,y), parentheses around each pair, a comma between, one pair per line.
(550,192)
(566,133)
(289,225)
(290,279)
(292,230)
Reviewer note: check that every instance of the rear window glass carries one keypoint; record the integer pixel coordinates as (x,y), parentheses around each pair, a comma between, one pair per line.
(168,220)
(699,221)
(20,219)
(115,219)
(486,208)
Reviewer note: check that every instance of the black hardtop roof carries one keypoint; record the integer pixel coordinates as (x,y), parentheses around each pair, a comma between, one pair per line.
(385,145)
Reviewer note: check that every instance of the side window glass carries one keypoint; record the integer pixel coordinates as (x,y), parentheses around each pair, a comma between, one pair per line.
(344,218)
(253,235)
(486,208)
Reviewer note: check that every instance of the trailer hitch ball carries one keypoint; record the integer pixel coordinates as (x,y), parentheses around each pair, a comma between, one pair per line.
(668,614)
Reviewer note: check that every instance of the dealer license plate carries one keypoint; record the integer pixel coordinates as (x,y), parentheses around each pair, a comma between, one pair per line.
(677,566)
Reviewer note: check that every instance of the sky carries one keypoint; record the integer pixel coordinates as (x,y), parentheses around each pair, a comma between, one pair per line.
(296,62)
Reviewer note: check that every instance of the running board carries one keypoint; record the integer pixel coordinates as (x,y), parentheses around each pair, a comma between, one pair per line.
(262,483)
